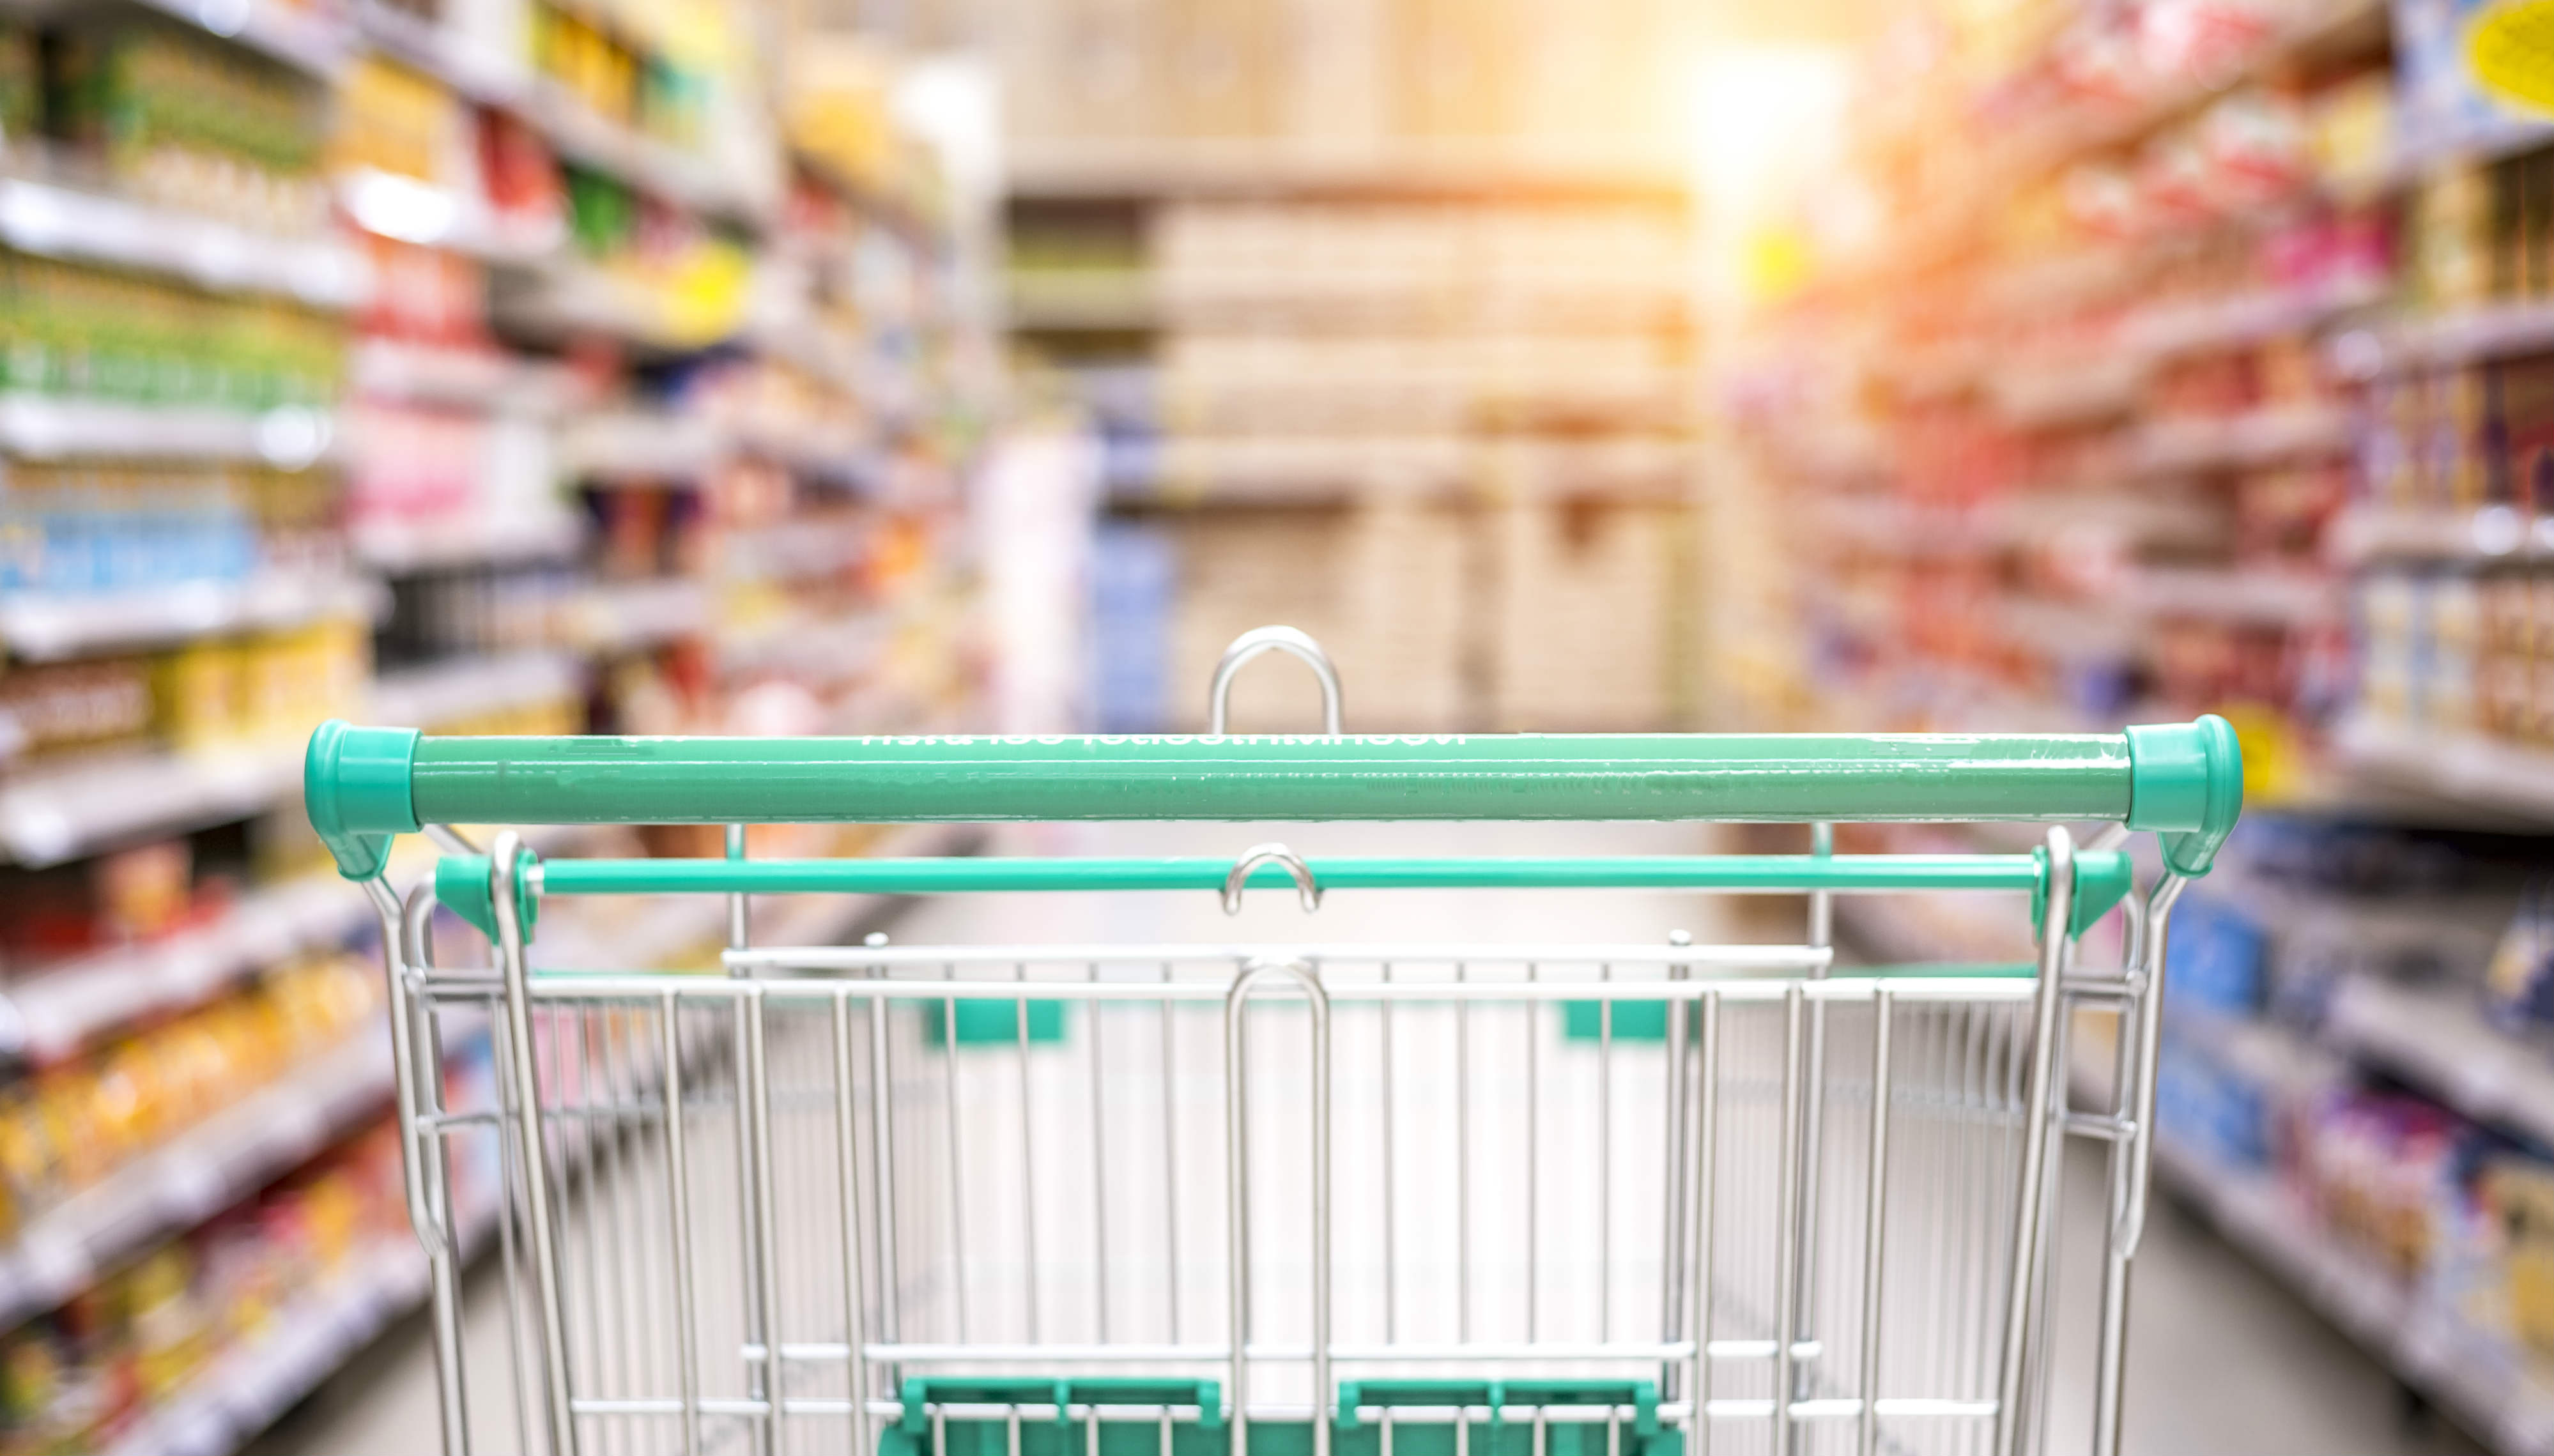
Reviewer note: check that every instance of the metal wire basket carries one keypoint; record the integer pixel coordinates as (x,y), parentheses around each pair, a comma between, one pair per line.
(1295,1199)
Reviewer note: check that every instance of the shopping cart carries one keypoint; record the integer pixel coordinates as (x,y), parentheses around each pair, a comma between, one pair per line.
(1647,1199)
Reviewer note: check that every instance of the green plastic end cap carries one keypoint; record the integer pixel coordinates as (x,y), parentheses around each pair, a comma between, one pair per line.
(2186,783)
(2102,880)
(461,884)
(355,788)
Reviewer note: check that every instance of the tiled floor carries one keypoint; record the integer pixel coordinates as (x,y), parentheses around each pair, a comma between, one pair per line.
(2222,1360)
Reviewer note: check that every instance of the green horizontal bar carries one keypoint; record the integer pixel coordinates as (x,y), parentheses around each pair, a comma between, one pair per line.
(1796,873)
(2183,781)
(1651,776)
(2102,877)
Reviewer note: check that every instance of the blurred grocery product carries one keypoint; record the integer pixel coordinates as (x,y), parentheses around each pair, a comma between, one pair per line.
(2191,357)
(494,368)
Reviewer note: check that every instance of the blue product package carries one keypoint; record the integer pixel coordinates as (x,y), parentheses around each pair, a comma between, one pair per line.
(1134,572)
(2216,957)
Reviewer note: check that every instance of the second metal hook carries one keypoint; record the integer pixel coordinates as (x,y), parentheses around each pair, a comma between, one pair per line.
(1270,853)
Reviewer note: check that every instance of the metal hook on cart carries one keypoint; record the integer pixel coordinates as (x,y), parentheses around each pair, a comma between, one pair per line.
(1263,639)
(1270,853)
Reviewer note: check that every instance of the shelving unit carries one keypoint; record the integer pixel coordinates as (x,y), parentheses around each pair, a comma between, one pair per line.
(307,1341)
(218,1162)
(2465,1372)
(2090,429)
(1475,361)
(568,488)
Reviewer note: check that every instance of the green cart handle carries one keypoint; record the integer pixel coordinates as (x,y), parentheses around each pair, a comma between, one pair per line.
(2184,781)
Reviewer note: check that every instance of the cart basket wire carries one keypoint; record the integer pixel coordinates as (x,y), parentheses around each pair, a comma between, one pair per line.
(1642,1199)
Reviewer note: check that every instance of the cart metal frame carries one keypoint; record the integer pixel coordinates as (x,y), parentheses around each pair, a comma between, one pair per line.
(1851,1192)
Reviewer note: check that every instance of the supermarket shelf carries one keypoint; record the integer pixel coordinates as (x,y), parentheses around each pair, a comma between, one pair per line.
(2487,331)
(291,34)
(2439,1040)
(659,168)
(1203,168)
(200,1171)
(93,227)
(2466,769)
(423,45)
(1056,304)
(2478,1377)
(446,693)
(49,815)
(815,654)
(2365,533)
(410,210)
(637,447)
(487,380)
(2263,597)
(2267,1052)
(47,426)
(648,449)
(245,1390)
(571,298)
(41,626)
(827,353)
(2079,394)
(2264,437)
(2167,330)
(61,1008)
(1278,469)
(2505,135)
(2450,929)
(2035,153)
(620,616)
(398,547)
(792,551)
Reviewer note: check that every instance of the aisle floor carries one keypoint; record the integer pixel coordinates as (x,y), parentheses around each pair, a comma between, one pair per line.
(2223,1360)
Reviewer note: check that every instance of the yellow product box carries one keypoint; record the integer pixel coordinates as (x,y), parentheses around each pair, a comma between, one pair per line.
(201,696)
(2521,1194)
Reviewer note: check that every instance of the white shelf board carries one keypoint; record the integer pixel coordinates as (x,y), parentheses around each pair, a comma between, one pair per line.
(2266,436)
(488,380)
(615,617)
(299,37)
(473,687)
(410,210)
(409,547)
(2462,768)
(2438,1039)
(93,227)
(1212,167)
(39,626)
(50,815)
(627,445)
(2235,594)
(52,426)
(2365,533)
(483,76)
(64,1006)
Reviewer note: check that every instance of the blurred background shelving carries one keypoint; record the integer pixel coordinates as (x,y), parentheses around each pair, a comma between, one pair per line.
(530,367)
(889,365)
(2161,359)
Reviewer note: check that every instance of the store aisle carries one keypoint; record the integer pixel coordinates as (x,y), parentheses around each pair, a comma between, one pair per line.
(2223,1360)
